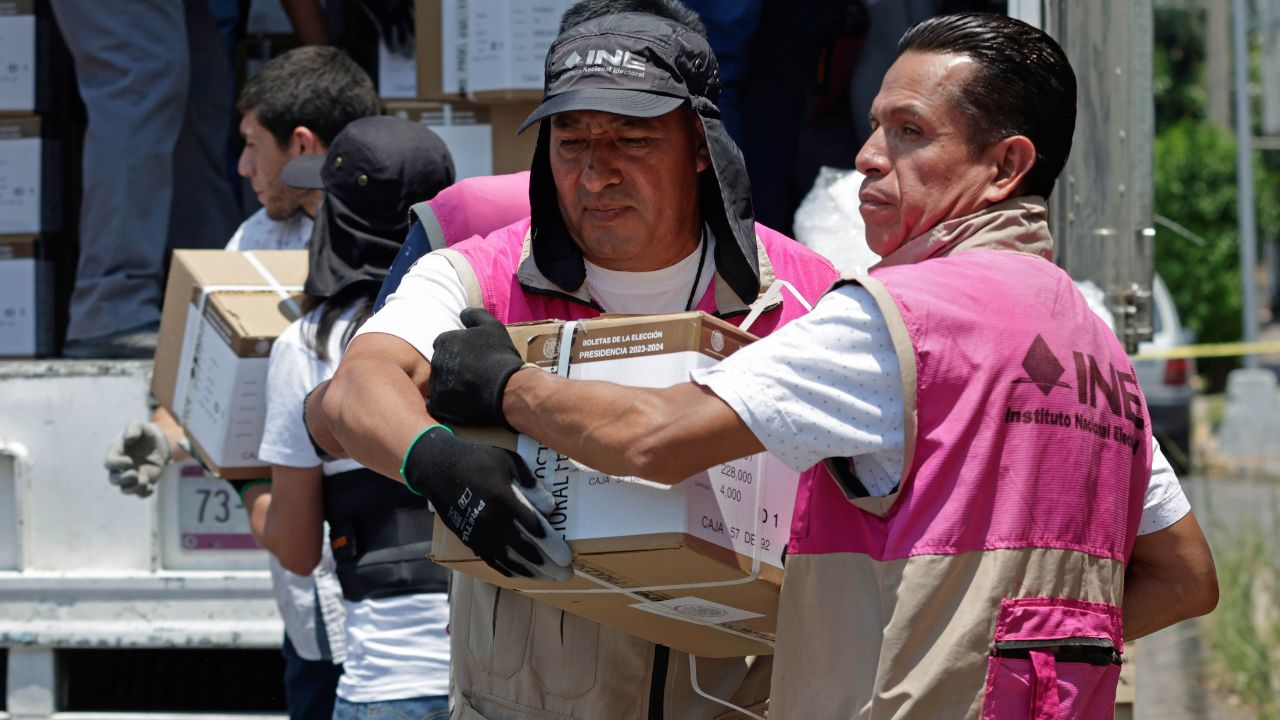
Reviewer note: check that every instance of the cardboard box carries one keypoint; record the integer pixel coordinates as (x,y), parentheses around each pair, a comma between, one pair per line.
(481,138)
(221,314)
(512,152)
(26,297)
(18,54)
(696,566)
(29,200)
(440,42)
(507,46)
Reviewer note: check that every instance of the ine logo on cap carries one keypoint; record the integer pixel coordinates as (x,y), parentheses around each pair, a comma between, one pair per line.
(617,62)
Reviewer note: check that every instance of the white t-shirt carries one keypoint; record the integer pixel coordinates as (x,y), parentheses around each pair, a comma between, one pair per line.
(395,647)
(260,232)
(828,385)
(311,608)
(431,296)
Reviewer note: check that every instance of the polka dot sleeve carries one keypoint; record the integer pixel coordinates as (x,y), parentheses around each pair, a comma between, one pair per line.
(825,385)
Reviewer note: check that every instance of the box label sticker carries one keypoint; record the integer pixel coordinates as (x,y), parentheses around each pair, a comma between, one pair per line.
(508,43)
(397,73)
(453,47)
(745,505)
(18,310)
(222,398)
(18,63)
(697,610)
(20,182)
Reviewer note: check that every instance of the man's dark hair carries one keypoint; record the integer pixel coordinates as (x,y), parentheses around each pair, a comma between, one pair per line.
(1022,85)
(669,9)
(315,87)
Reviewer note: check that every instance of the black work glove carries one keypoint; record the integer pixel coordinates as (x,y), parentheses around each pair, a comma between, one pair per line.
(490,500)
(469,371)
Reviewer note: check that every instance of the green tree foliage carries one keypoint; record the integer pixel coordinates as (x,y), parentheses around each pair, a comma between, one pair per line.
(1195,187)
(1179,64)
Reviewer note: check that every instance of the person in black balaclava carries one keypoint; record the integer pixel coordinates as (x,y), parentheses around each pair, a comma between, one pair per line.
(379,531)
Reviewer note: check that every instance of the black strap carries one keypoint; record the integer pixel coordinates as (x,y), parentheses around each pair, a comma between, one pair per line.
(658,682)
(1100,656)
(841,470)
(697,276)
(380,532)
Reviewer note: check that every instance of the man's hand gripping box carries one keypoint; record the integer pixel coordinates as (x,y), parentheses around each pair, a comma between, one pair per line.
(696,566)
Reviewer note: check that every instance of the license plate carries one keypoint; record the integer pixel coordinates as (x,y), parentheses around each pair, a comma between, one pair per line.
(210,514)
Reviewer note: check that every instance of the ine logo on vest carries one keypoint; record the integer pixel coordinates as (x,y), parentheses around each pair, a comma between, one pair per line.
(1098,393)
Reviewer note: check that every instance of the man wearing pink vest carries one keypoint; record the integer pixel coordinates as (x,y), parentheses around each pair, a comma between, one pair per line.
(639,203)
(997,519)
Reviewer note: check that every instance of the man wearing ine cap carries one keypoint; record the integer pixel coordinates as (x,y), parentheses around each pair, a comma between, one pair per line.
(639,204)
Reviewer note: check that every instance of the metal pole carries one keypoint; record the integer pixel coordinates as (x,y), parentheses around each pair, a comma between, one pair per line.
(1217,63)
(1244,180)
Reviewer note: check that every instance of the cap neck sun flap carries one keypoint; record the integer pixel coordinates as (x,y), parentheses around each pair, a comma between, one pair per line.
(725,207)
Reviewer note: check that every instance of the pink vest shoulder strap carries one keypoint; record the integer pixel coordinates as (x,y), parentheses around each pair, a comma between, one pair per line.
(473,206)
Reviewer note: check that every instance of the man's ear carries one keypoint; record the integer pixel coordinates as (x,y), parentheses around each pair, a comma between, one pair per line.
(1013,158)
(306,142)
(703,154)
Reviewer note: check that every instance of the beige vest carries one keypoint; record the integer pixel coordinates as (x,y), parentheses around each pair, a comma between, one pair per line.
(513,659)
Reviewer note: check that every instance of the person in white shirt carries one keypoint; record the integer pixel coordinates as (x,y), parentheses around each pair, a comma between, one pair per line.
(397,608)
(295,105)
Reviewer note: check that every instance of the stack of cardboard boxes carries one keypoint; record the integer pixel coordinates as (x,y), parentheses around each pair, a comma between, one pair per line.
(473,75)
(478,76)
(29,210)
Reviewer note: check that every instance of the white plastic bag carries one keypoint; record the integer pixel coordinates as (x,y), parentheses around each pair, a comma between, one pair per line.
(829,223)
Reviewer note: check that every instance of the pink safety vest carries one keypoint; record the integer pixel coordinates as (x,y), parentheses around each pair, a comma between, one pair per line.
(473,206)
(1028,456)
(513,658)
(513,290)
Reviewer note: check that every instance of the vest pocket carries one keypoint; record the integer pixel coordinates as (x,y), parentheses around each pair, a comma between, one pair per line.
(1053,659)
(564,653)
(497,613)
(466,712)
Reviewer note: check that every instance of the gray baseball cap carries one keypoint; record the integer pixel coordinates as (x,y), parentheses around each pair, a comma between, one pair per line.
(642,65)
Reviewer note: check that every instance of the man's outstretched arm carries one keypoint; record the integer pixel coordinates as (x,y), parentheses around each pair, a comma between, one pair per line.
(662,435)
